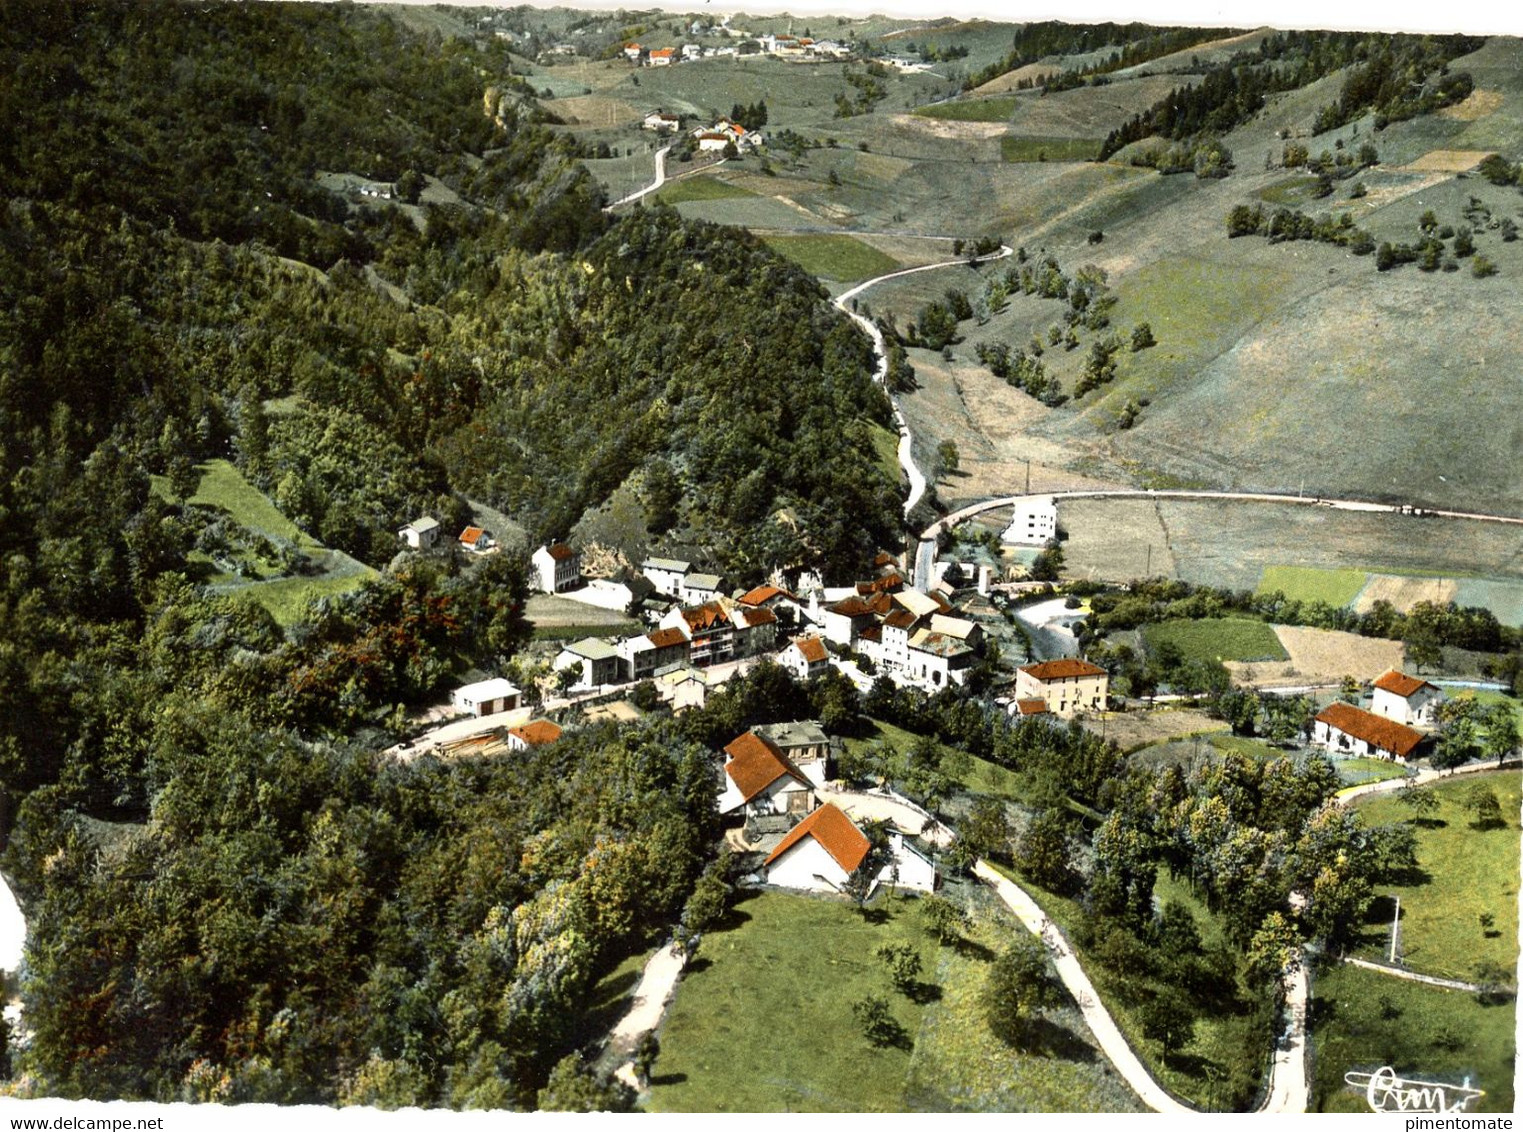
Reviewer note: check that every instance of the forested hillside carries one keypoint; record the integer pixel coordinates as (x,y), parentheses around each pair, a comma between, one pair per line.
(229,896)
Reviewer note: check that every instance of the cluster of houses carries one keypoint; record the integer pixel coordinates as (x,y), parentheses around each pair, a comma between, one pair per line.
(710,139)
(796,48)
(423,534)
(1400,706)
(773,776)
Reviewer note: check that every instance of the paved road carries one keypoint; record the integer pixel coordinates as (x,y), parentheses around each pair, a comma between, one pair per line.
(880,374)
(926,555)
(650,188)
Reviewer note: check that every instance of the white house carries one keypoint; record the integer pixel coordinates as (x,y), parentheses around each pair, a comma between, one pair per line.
(1406,699)
(1035,522)
(666,574)
(907,868)
(691,51)
(818,854)
(486,697)
(699,588)
(598,661)
(805,657)
(1347,730)
(1066,685)
(938,659)
(662,122)
(633,52)
(420,534)
(555,568)
(759,780)
(710,142)
(662,57)
(475,538)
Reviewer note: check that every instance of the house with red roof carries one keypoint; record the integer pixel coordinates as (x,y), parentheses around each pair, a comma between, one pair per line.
(805,657)
(475,538)
(760,781)
(1408,700)
(644,655)
(1066,685)
(820,853)
(555,567)
(535,733)
(1347,730)
(663,56)
(633,52)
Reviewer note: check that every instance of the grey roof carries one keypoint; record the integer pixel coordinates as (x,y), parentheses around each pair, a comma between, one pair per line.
(424,524)
(590,648)
(799,734)
(703,581)
(674,564)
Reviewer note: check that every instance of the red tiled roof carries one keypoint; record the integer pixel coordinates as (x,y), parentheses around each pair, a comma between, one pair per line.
(660,52)
(884,558)
(666,638)
(536,732)
(762,594)
(704,617)
(900,619)
(755,617)
(1062,669)
(1031,707)
(880,604)
(755,764)
(812,649)
(850,607)
(884,584)
(1379,732)
(871,633)
(471,534)
(1401,684)
(828,825)
(560,552)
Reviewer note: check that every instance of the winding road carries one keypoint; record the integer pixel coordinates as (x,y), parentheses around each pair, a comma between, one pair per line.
(880,373)
(650,188)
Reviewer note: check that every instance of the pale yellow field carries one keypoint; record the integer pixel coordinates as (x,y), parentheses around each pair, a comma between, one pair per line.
(1447,161)
(1404,593)
(1320,656)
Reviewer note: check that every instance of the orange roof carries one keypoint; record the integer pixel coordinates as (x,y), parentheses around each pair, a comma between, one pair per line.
(666,638)
(1379,732)
(536,732)
(884,584)
(847,844)
(884,558)
(850,607)
(560,552)
(900,619)
(763,594)
(706,616)
(472,534)
(812,649)
(1402,684)
(1031,707)
(755,617)
(755,764)
(1065,669)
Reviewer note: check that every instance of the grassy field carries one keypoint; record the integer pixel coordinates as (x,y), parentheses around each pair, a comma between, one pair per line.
(1049,149)
(1363,1020)
(839,258)
(1468,872)
(1290,191)
(886,445)
(701,187)
(331,572)
(997,109)
(762,1022)
(1312,583)
(1219,638)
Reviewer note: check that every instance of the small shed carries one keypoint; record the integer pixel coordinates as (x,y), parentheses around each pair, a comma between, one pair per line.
(486,697)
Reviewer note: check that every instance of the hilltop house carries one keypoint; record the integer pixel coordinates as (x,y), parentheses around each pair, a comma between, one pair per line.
(1406,699)
(420,534)
(555,568)
(820,853)
(1066,685)
(475,538)
(760,781)
(1347,730)
(805,657)
(485,697)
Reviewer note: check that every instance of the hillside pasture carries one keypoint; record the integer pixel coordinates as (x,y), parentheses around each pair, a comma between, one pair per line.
(838,258)
(1320,656)
(1025,148)
(1404,593)
(1218,638)
(996,109)
(1313,583)
(703,186)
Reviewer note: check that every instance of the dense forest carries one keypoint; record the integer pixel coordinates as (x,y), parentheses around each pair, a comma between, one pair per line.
(230,895)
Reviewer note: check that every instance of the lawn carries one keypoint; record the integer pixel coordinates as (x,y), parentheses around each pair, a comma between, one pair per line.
(997,109)
(1469,872)
(1218,638)
(702,187)
(222,485)
(1021,149)
(981,777)
(762,1021)
(886,445)
(1357,771)
(1363,1020)
(839,258)
(1291,190)
(1313,583)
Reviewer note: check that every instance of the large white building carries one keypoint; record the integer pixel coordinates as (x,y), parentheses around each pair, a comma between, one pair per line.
(1406,699)
(1066,685)
(1035,522)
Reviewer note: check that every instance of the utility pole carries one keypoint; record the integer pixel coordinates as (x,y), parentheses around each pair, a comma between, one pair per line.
(1148,572)
(1395,929)
(1028,475)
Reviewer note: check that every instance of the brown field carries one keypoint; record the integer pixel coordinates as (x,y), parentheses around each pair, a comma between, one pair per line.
(1404,593)
(1090,111)
(550,612)
(1131,730)
(949,128)
(1480,104)
(1115,540)
(1447,161)
(596,110)
(1036,72)
(1320,656)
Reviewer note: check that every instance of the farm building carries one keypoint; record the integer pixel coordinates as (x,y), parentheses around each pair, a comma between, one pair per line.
(486,697)
(1406,699)
(420,534)
(907,868)
(1066,685)
(1347,730)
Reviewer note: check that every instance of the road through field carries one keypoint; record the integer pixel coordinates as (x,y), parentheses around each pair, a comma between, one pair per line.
(880,373)
(650,188)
